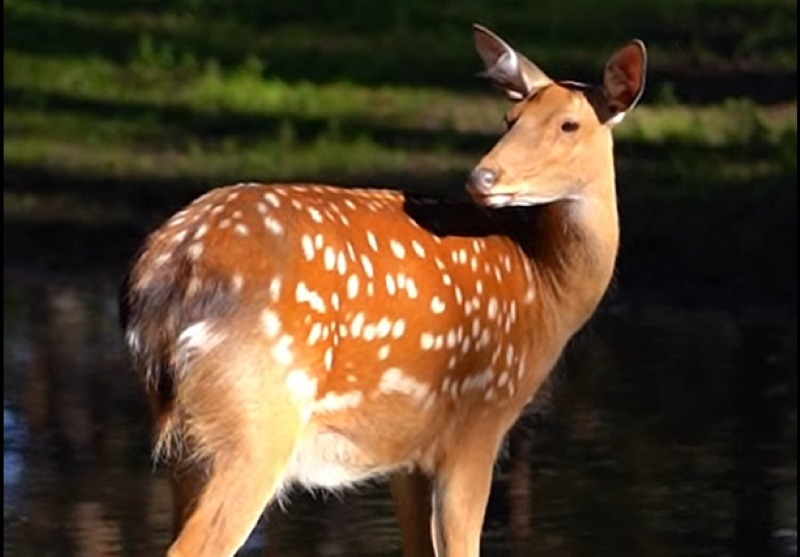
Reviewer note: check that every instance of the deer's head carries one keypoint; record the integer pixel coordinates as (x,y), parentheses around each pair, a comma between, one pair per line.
(558,141)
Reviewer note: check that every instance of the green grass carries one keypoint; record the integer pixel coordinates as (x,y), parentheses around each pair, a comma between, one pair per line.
(205,92)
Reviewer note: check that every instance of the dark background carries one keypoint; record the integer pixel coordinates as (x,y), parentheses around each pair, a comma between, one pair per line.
(672,428)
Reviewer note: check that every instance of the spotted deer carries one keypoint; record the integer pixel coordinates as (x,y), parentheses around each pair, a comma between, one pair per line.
(321,336)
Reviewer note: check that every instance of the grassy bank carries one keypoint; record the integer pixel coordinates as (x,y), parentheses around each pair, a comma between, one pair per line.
(117,113)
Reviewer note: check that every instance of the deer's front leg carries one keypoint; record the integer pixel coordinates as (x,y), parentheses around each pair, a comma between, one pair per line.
(460,495)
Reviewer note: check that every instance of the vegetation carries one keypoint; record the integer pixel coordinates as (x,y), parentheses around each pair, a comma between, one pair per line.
(114,111)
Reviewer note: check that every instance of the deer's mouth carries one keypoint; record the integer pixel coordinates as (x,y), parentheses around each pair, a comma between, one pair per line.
(517,199)
(494,199)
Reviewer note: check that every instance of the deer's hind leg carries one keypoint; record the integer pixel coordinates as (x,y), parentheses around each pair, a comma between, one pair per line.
(246,421)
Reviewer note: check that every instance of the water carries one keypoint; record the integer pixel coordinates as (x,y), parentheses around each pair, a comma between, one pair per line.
(671,432)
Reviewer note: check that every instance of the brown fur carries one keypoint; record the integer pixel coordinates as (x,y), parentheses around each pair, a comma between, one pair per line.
(316,335)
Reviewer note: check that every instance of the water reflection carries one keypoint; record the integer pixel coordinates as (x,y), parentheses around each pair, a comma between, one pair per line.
(671,433)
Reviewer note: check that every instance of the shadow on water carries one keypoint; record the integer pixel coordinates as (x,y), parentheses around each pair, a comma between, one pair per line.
(670,432)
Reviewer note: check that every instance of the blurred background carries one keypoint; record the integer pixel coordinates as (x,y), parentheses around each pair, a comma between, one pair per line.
(671,425)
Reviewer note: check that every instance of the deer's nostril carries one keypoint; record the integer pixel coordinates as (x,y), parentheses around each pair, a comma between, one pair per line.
(482,179)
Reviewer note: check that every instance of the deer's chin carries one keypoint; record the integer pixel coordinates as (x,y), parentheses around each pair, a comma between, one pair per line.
(498,200)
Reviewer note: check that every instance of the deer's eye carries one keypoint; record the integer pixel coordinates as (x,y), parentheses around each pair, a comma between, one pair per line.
(570,126)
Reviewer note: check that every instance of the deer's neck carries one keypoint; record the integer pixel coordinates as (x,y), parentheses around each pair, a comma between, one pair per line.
(573,252)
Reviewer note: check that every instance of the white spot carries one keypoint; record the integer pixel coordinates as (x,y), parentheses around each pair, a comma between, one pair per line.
(384,327)
(391,288)
(476,328)
(491,310)
(411,288)
(397,249)
(261,208)
(446,279)
(272,199)
(329,258)
(462,256)
(318,241)
(225,223)
(335,301)
(341,263)
(195,251)
(479,286)
(383,351)
(394,381)
(452,339)
(509,355)
(398,328)
(459,295)
(197,335)
(315,333)
(357,325)
(333,402)
(275,288)
(426,341)
(367,264)
(303,294)
(201,231)
(372,241)
(271,224)
(328,358)
(369,332)
(271,323)
(352,286)
(302,386)
(237,281)
(161,259)
(437,305)
(316,216)
(308,247)
(350,251)
(503,379)
(418,249)
(282,352)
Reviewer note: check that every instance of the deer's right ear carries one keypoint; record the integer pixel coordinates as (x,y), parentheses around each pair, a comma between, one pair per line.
(505,67)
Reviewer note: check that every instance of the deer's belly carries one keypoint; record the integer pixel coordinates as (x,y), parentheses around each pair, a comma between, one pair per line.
(329,459)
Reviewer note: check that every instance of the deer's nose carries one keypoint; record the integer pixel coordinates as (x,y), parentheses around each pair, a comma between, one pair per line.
(482,179)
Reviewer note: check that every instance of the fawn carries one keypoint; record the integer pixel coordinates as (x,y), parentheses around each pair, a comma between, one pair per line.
(316,335)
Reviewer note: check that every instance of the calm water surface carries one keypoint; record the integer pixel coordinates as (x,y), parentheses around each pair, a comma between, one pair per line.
(670,432)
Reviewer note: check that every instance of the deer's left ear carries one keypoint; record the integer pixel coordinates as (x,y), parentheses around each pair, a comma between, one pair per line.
(624,79)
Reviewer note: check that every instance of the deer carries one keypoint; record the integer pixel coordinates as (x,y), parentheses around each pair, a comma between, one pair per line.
(312,335)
